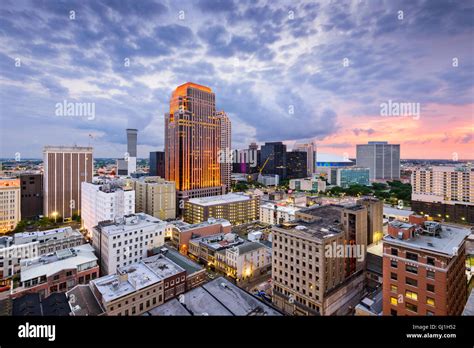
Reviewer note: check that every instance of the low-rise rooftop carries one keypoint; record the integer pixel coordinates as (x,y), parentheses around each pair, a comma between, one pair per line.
(447,239)
(220,199)
(217,297)
(326,222)
(55,262)
(136,276)
(128,223)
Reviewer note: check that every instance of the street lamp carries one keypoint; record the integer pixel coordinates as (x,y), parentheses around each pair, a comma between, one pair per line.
(55,215)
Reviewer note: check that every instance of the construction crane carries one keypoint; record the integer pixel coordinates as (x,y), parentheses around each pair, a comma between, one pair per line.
(264,164)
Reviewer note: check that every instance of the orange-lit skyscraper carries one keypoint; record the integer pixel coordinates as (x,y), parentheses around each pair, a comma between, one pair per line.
(192,142)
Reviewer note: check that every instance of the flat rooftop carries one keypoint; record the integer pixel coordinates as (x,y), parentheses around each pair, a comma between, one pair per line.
(282,208)
(211,221)
(62,232)
(218,297)
(82,301)
(219,241)
(136,276)
(184,262)
(327,222)
(221,199)
(397,212)
(447,242)
(128,223)
(55,262)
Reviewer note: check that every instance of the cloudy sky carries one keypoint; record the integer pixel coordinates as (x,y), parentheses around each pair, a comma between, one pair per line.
(282,70)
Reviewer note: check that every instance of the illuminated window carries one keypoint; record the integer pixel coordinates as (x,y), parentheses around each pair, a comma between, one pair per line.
(393,301)
(430,301)
(411,294)
(393,288)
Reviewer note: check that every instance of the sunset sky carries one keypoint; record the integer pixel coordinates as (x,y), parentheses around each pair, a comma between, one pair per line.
(282,70)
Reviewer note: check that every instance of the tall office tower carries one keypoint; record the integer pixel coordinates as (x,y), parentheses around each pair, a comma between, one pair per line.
(10,212)
(132,150)
(296,165)
(275,153)
(374,218)
(157,164)
(31,195)
(155,196)
(225,148)
(65,168)
(105,200)
(444,193)
(424,268)
(310,149)
(192,142)
(382,158)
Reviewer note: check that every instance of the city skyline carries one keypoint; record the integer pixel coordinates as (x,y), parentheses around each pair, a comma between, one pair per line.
(281,71)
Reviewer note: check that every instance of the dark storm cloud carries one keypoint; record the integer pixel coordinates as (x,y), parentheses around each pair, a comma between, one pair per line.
(127,56)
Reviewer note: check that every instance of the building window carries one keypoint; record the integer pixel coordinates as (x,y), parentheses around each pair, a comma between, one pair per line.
(393,288)
(393,264)
(394,252)
(430,261)
(430,287)
(411,281)
(411,269)
(411,256)
(393,276)
(412,295)
(393,312)
(430,274)
(411,307)
(393,301)
(430,301)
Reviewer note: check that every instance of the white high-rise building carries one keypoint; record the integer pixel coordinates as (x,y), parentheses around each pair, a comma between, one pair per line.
(447,185)
(127,240)
(105,200)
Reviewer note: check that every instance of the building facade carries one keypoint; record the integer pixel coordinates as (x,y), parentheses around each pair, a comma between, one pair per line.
(234,207)
(157,164)
(181,233)
(31,195)
(10,204)
(314,271)
(126,240)
(26,245)
(225,149)
(273,159)
(192,142)
(65,168)
(424,268)
(346,177)
(139,287)
(105,200)
(274,214)
(374,208)
(296,165)
(155,196)
(444,193)
(59,271)
(382,158)
(311,156)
